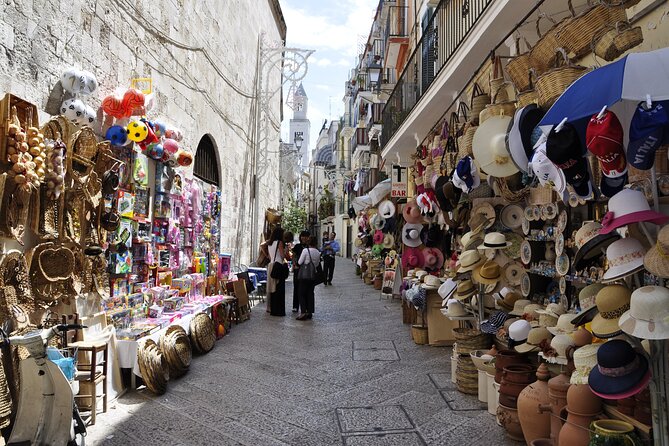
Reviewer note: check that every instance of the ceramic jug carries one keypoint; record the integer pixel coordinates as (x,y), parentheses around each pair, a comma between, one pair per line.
(613,433)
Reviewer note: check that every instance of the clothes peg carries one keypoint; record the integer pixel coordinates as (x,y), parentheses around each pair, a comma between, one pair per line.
(561,125)
(399,159)
(415,135)
(600,115)
(649,103)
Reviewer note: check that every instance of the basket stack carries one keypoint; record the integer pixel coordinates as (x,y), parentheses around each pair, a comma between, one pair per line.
(466,375)
(419,334)
(153,367)
(178,352)
(470,339)
(202,333)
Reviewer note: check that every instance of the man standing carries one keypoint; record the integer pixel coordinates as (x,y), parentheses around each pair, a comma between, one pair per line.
(297,251)
(330,248)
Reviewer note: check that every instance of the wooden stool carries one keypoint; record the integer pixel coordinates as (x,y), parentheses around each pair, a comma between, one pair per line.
(92,374)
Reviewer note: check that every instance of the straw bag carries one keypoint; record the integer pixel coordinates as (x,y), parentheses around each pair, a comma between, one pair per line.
(467,131)
(478,102)
(553,83)
(576,35)
(518,67)
(543,52)
(497,82)
(497,108)
(452,132)
(528,96)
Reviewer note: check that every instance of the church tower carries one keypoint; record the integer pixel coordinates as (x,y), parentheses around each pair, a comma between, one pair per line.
(300,125)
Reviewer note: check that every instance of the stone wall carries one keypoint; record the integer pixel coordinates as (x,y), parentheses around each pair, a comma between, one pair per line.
(200,54)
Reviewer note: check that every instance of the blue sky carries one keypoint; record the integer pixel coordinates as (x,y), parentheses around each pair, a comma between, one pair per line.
(335,30)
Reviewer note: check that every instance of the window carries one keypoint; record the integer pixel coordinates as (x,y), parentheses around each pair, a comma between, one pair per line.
(206,161)
(300,134)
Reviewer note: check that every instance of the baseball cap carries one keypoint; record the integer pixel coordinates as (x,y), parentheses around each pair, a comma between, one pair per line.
(604,138)
(647,131)
(611,186)
(547,172)
(466,176)
(564,149)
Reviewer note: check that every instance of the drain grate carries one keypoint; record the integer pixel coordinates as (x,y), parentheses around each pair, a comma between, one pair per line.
(377,426)
(374,351)
(400,439)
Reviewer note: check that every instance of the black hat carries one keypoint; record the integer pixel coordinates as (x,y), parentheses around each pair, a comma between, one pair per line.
(519,140)
(565,150)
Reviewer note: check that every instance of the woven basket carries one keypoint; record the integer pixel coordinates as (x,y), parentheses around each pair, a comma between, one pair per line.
(543,53)
(55,262)
(152,367)
(576,34)
(554,82)
(623,3)
(541,195)
(465,141)
(470,339)
(478,102)
(177,350)
(466,375)
(202,333)
(518,67)
(497,108)
(628,38)
(419,334)
(85,143)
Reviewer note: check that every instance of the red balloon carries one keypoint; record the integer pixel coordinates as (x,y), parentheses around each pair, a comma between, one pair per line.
(113,106)
(171,147)
(133,100)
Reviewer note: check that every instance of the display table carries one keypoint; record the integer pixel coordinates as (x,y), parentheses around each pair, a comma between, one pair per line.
(439,327)
(126,350)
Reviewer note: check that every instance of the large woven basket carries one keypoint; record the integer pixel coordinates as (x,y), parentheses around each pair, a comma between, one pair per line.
(470,339)
(541,195)
(628,38)
(543,52)
(576,34)
(466,375)
(153,367)
(177,349)
(497,108)
(554,82)
(478,102)
(202,333)
(419,334)
(465,141)
(518,67)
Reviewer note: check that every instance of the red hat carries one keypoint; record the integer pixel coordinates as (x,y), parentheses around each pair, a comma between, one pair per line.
(604,138)
(412,258)
(378,237)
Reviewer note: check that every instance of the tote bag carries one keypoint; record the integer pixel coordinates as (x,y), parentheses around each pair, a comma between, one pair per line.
(311,272)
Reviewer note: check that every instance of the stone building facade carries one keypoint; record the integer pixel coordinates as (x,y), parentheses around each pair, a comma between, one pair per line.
(201,56)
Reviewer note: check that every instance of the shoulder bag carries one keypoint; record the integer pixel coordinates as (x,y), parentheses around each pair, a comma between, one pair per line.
(279,269)
(311,271)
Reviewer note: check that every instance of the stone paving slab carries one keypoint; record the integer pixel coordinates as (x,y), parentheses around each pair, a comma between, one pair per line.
(279,381)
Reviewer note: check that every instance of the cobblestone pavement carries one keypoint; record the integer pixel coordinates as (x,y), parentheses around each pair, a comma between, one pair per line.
(350,376)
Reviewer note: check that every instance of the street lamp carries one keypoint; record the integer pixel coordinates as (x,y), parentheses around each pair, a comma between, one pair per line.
(374,71)
(298,142)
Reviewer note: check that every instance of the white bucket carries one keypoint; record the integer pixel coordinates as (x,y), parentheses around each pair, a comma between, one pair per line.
(483,387)
(492,394)
(454,365)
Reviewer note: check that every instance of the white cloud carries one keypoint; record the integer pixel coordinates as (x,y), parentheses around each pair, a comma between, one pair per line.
(323,62)
(322,87)
(345,63)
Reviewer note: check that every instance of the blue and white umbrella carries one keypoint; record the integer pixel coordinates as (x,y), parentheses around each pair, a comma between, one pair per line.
(633,78)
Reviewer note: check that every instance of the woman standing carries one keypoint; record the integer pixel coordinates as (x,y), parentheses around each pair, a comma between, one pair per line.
(297,251)
(312,256)
(276,288)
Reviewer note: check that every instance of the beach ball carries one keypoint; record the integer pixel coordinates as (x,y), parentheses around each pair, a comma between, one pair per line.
(171,146)
(116,135)
(137,131)
(156,151)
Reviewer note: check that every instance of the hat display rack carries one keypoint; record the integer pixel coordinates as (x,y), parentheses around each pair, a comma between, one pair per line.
(575,183)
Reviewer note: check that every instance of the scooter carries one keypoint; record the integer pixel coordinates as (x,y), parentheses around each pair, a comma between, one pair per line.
(47,413)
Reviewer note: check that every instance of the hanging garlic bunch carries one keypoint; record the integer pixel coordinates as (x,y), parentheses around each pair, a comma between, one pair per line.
(55,170)
(19,143)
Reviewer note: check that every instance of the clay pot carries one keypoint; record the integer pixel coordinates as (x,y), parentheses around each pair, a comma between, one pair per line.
(506,358)
(582,337)
(508,418)
(535,424)
(514,379)
(581,400)
(557,396)
(541,442)
(613,433)
(575,431)
(508,400)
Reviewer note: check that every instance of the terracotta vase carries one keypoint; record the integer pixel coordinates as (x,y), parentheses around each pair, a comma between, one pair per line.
(508,418)
(557,396)
(575,431)
(613,433)
(514,380)
(581,400)
(535,424)
(506,358)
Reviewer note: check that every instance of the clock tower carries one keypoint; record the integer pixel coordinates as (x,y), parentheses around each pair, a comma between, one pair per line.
(300,126)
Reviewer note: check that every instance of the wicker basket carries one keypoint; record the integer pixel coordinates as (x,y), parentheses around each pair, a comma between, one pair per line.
(465,141)
(497,108)
(541,195)
(553,83)
(470,339)
(25,111)
(576,34)
(628,38)
(466,375)
(479,101)
(419,334)
(623,3)
(518,67)
(543,53)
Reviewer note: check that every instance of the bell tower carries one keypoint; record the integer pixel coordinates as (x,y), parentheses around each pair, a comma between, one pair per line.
(300,125)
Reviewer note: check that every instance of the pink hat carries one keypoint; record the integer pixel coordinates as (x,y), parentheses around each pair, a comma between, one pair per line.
(378,237)
(434,259)
(412,258)
(629,206)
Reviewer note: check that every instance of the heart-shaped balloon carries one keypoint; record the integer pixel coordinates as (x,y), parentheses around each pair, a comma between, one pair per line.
(113,106)
(133,101)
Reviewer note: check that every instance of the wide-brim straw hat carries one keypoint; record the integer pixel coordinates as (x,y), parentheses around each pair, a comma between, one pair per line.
(153,367)
(629,206)
(564,325)
(377,222)
(488,273)
(625,257)
(534,338)
(519,307)
(494,240)
(512,216)
(656,259)
(612,301)
(202,333)
(648,316)
(489,147)
(434,258)
(465,289)
(411,234)
(177,349)
(469,261)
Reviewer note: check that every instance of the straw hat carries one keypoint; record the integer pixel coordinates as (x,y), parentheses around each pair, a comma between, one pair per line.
(648,316)
(585,359)
(482,217)
(656,260)
(455,309)
(447,289)
(359,243)
(489,147)
(411,212)
(507,299)
(177,350)
(512,216)
(620,373)
(557,354)
(612,301)
(386,209)
(534,338)
(202,333)
(629,206)
(411,234)
(488,301)
(494,240)
(431,282)
(469,261)
(488,273)
(434,259)
(519,307)
(388,241)
(586,302)
(465,290)
(590,243)
(519,330)
(555,310)
(625,257)
(564,325)
(470,240)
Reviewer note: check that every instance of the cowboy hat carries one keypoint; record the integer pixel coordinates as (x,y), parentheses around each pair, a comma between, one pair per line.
(489,147)
(411,234)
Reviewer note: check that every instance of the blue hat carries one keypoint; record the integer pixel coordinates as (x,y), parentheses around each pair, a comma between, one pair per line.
(647,130)
(620,372)
(466,176)
(611,186)
(494,323)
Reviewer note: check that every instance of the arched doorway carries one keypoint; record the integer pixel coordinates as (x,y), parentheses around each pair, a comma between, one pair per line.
(206,161)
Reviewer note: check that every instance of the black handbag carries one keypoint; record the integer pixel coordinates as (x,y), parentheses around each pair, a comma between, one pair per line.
(280,270)
(312,272)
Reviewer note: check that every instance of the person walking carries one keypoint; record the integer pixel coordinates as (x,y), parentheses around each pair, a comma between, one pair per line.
(309,256)
(297,251)
(276,288)
(330,248)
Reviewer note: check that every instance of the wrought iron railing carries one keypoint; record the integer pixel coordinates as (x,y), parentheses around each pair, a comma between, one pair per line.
(443,34)
(396,24)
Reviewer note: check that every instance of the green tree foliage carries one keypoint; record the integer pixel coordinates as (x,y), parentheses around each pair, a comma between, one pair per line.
(294,218)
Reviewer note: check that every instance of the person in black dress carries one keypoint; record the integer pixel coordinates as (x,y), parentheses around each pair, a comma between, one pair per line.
(276,288)
(297,250)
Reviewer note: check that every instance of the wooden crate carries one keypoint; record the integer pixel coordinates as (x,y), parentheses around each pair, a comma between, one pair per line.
(24,110)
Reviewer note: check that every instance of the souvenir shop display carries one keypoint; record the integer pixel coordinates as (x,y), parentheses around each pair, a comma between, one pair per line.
(547,237)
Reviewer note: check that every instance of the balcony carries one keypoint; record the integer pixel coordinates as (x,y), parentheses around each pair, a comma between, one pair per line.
(396,36)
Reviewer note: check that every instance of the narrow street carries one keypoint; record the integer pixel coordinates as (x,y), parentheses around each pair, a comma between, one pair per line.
(350,376)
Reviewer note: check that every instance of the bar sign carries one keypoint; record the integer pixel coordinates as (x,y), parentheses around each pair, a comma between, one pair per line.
(399,182)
